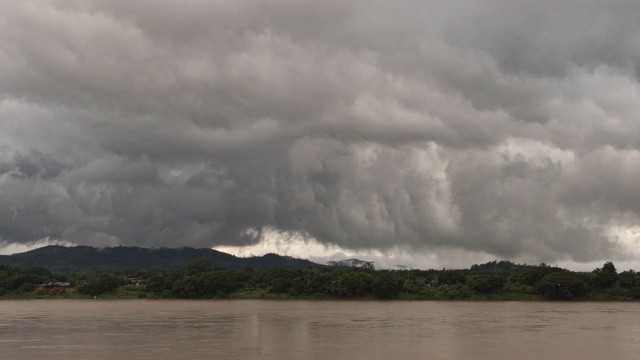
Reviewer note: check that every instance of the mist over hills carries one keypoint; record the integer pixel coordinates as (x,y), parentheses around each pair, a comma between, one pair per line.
(348,263)
(61,259)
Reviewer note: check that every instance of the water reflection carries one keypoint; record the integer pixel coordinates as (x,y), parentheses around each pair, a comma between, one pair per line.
(317,329)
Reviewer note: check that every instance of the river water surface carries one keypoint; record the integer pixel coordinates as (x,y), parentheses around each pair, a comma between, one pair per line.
(255,329)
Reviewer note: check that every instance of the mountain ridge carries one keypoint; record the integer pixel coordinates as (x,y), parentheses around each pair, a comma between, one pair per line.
(82,258)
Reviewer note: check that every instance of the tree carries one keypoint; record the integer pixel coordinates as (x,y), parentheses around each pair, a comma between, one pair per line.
(532,276)
(368,266)
(605,277)
(352,283)
(451,277)
(562,285)
(22,282)
(386,286)
(486,283)
(197,266)
(224,281)
(99,284)
(162,283)
(187,288)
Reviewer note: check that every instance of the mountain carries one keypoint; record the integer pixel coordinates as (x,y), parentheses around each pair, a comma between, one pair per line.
(348,263)
(60,259)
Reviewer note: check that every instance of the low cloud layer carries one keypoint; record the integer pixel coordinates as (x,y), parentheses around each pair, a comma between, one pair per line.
(507,129)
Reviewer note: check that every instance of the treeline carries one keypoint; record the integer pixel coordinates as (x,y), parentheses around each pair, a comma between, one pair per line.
(199,279)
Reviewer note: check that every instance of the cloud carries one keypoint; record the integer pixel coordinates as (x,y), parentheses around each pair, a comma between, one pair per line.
(449,127)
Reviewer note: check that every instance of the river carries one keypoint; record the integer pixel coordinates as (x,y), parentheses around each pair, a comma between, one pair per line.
(255,329)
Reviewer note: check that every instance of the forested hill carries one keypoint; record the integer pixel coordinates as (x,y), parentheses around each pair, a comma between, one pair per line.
(60,259)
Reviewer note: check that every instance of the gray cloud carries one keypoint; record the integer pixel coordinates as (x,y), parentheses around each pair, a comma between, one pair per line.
(470,126)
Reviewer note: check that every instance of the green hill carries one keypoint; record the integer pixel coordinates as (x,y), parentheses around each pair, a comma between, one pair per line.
(60,259)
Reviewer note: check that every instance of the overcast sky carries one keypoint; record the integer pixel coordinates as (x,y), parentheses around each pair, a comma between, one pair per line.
(448,132)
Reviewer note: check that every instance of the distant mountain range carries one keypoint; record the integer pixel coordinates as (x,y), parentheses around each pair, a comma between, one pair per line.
(60,259)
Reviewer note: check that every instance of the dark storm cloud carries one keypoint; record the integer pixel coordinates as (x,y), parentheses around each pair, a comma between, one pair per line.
(507,128)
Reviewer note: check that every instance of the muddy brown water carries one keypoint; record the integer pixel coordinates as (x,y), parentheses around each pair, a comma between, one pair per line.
(257,329)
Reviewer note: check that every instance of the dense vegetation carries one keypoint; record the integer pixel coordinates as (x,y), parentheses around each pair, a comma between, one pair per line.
(199,279)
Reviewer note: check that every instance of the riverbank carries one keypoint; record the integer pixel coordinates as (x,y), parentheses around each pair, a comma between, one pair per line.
(496,281)
(127,294)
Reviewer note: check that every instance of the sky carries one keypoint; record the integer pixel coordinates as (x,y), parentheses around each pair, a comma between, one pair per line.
(428,134)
